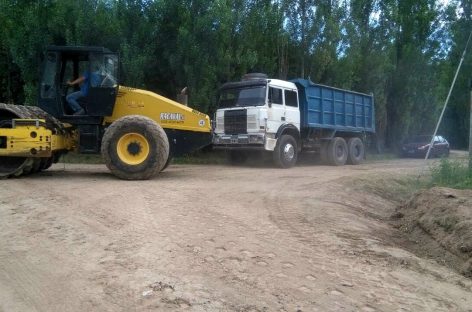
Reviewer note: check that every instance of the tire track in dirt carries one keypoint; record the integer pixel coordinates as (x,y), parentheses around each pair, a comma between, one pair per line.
(362,262)
(32,224)
(209,238)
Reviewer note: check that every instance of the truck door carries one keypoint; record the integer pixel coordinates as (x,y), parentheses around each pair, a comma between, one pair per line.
(103,84)
(276,111)
(292,112)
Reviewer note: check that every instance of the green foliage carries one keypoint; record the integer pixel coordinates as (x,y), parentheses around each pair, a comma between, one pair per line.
(411,55)
(451,173)
(74,158)
(404,52)
(456,125)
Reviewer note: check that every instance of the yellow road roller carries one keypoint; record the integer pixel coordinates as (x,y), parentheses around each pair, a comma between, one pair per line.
(136,131)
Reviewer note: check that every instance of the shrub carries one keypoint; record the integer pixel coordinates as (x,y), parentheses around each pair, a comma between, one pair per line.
(452,173)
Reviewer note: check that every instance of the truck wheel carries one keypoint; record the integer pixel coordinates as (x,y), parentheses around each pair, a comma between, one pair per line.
(356,151)
(337,152)
(237,157)
(135,148)
(285,152)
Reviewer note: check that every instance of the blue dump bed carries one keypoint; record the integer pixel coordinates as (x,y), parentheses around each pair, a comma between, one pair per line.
(331,108)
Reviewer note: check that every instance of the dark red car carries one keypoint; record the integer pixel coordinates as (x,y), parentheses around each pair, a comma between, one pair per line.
(417,146)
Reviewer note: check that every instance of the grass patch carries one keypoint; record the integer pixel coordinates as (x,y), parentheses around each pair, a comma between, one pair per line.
(200,157)
(451,173)
(448,223)
(392,187)
(370,157)
(74,158)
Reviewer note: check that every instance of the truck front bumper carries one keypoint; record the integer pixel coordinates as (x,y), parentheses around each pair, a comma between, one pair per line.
(258,141)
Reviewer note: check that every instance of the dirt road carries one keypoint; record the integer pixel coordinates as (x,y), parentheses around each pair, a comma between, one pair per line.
(214,238)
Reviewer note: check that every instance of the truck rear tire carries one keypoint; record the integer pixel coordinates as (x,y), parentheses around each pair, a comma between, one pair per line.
(337,152)
(135,148)
(356,151)
(286,152)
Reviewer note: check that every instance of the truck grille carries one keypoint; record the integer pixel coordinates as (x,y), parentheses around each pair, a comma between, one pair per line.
(235,121)
(220,125)
(252,123)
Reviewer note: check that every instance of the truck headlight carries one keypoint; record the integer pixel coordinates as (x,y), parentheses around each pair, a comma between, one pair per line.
(255,139)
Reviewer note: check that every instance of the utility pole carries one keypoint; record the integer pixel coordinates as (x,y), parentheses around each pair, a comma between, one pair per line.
(447,100)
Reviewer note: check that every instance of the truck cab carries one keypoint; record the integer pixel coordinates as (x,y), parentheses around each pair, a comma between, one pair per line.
(254,113)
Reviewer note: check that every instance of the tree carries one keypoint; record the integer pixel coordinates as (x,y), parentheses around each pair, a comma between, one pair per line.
(412,78)
(456,121)
(402,51)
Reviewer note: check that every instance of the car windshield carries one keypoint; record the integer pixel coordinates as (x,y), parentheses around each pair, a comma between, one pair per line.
(419,139)
(239,97)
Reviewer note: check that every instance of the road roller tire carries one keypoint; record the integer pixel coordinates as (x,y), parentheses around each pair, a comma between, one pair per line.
(28,167)
(169,160)
(46,163)
(36,165)
(12,166)
(17,166)
(135,148)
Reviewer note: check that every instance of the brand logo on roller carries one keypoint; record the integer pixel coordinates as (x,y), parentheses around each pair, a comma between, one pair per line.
(172,117)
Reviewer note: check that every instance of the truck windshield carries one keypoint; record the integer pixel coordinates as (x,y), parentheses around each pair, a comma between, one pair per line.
(238,97)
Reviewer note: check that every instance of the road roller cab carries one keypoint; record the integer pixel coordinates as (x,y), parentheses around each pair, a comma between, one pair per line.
(63,64)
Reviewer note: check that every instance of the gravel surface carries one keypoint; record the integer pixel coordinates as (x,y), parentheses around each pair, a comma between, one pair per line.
(215,238)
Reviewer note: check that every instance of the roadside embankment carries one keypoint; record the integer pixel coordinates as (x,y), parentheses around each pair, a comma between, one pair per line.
(444,216)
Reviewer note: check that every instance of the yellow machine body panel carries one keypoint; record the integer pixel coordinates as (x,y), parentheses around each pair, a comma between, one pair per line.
(169,114)
(30,138)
